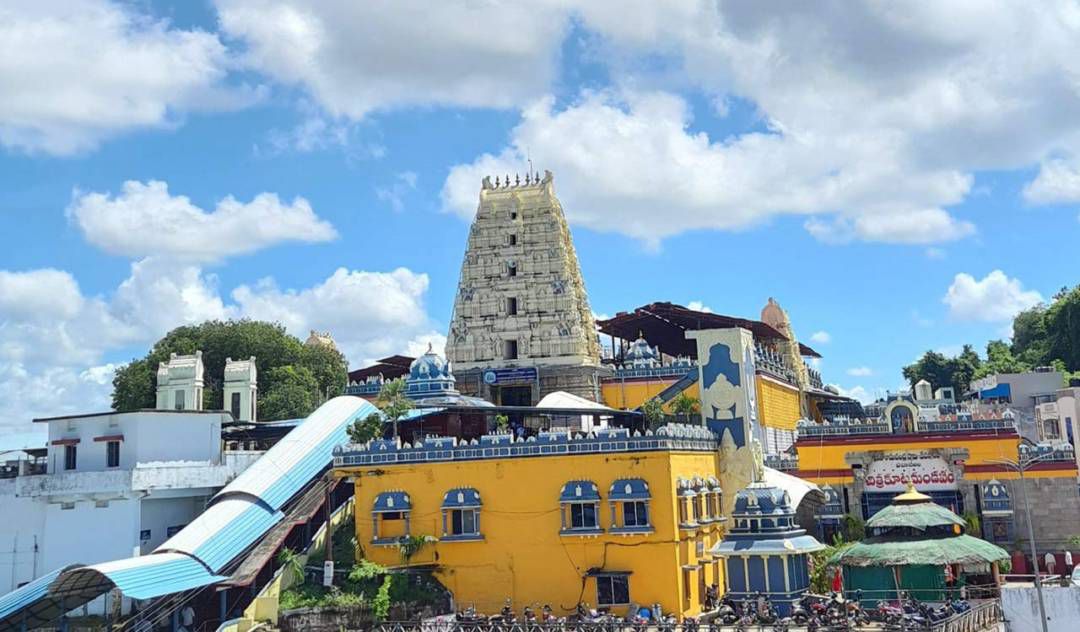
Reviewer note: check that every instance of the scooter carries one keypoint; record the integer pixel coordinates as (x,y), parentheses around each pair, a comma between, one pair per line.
(728,612)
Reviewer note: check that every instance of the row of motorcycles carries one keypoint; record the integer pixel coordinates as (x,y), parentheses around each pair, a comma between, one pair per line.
(815,613)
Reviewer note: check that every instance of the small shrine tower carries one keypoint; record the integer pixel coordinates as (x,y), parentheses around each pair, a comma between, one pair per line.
(765,551)
(180,383)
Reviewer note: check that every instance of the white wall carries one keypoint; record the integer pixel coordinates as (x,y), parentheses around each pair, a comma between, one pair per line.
(1021,608)
(149,436)
(158,514)
(89,534)
(19,535)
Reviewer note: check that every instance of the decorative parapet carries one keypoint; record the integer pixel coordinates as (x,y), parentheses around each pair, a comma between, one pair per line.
(364,388)
(841,427)
(771,362)
(846,427)
(670,371)
(782,462)
(674,437)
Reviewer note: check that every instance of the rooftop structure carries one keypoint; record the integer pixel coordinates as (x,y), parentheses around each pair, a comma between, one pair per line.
(180,382)
(764,549)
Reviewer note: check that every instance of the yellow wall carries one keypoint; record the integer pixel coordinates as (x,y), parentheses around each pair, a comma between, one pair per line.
(778,404)
(523,556)
(831,457)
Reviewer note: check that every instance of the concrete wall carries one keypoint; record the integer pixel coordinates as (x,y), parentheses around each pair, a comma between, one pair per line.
(148,436)
(21,539)
(89,534)
(159,514)
(1055,511)
(1021,607)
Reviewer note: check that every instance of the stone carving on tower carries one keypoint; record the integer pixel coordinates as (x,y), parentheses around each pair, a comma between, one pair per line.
(520,283)
(521,301)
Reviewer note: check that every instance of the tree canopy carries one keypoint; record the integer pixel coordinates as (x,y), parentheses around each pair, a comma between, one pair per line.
(1044,335)
(293,378)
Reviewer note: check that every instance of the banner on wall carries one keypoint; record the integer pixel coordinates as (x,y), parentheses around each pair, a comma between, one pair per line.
(726,382)
(927,473)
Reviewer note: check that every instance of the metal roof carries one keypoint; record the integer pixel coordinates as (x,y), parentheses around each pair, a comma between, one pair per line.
(30,604)
(137,577)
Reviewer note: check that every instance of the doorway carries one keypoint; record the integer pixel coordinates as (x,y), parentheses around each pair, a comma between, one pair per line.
(515,396)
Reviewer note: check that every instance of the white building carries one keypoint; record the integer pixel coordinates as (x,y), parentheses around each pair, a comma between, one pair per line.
(118,484)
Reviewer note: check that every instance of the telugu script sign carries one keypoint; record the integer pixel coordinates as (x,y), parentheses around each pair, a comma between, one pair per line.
(927,473)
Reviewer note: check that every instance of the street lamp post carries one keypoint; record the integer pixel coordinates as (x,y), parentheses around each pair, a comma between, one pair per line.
(1021,465)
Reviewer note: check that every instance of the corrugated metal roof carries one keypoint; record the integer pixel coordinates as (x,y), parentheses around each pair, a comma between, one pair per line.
(29,604)
(144,577)
(301,454)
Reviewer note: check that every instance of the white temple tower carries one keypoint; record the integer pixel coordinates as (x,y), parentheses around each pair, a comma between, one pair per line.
(180,383)
(522,326)
(240,389)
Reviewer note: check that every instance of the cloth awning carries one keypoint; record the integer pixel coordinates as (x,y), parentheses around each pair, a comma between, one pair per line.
(629,489)
(387,502)
(960,549)
(461,498)
(579,491)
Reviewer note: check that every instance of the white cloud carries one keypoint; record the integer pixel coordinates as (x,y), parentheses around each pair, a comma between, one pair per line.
(370,314)
(355,58)
(146,220)
(821,337)
(394,194)
(651,159)
(856,392)
(54,339)
(1058,182)
(936,253)
(860,371)
(76,72)
(698,306)
(994,298)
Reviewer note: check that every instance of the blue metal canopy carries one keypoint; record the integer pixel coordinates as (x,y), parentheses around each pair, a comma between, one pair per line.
(629,489)
(579,491)
(461,498)
(392,501)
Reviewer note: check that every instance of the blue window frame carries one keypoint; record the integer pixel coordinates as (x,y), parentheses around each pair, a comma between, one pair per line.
(461,514)
(580,501)
(629,498)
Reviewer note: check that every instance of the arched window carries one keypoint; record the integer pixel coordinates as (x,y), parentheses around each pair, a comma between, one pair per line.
(687,494)
(580,504)
(713,499)
(629,498)
(390,517)
(461,514)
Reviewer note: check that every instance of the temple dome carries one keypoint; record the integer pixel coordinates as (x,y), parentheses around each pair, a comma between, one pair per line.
(429,375)
(640,354)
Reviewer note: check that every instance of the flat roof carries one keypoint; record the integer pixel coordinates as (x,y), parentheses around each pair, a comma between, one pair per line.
(129,412)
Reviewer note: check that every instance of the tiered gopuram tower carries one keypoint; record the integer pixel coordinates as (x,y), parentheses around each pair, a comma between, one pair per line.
(522,326)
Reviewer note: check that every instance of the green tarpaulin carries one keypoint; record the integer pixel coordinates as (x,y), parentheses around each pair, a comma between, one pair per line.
(960,549)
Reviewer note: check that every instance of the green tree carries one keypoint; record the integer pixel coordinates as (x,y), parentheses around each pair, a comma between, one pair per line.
(685,405)
(502,422)
(134,384)
(1000,359)
(293,393)
(653,410)
(293,566)
(1063,329)
(393,404)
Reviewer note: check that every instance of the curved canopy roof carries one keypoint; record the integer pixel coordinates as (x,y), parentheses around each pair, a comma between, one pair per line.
(960,549)
(579,491)
(921,516)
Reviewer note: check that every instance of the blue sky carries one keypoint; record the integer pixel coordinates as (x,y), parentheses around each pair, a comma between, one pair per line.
(898,184)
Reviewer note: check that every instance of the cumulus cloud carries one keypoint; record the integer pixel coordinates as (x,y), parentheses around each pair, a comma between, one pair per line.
(698,306)
(76,72)
(1058,182)
(856,392)
(860,371)
(821,337)
(651,160)
(994,298)
(370,314)
(355,58)
(146,220)
(872,118)
(54,338)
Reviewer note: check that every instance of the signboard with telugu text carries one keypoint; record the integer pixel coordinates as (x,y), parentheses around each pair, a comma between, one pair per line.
(927,473)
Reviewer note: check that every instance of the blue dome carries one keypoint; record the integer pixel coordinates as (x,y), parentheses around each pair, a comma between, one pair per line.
(759,499)
(429,376)
(641,354)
